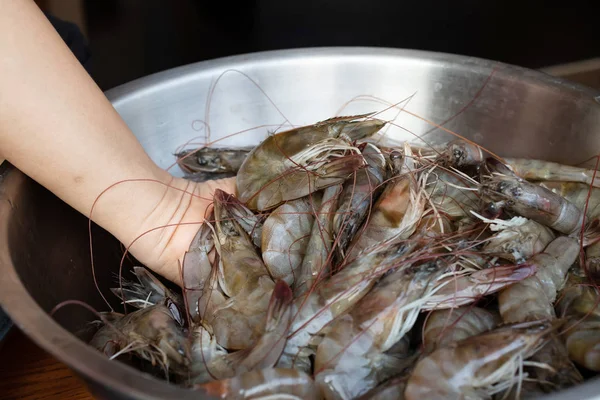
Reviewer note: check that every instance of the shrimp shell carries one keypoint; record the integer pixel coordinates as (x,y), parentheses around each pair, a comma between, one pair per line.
(517,243)
(579,303)
(315,264)
(351,359)
(285,236)
(264,354)
(212,159)
(357,196)
(445,327)
(540,170)
(292,164)
(534,202)
(397,211)
(533,298)
(475,366)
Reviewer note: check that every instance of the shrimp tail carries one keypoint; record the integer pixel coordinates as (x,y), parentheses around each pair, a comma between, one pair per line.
(279,305)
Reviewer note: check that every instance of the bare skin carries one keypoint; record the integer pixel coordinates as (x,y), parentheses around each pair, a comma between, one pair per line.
(57,127)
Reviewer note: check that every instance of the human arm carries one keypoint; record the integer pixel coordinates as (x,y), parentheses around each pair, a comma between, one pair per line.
(57,126)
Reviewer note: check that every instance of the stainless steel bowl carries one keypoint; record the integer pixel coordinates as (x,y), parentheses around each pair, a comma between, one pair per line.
(44,252)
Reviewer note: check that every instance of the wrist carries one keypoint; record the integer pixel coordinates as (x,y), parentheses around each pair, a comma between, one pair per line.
(169,227)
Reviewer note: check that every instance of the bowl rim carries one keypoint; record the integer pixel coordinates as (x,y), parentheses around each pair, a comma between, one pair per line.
(66,347)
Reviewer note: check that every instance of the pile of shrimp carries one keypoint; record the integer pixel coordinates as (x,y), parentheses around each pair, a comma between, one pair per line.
(346,268)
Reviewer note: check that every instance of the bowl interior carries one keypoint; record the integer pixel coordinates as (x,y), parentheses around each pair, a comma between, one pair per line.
(510,111)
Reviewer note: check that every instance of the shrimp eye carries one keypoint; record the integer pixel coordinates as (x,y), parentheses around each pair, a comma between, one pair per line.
(395,155)
(491,209)
(458,154)
(502,186)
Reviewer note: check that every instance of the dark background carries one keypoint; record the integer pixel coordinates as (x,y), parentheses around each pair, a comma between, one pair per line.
(132,38)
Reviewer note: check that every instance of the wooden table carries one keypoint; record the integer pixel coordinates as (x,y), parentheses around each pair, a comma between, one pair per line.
(28,372)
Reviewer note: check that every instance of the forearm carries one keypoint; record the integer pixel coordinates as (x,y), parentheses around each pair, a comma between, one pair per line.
(57,127)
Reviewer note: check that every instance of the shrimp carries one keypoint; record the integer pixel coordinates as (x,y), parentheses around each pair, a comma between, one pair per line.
(357,196)
(451,194)
(445,327)
(201,289)
(533,299)
(478,366)
(207,176)
(397,211)
(333,297)
(518,240)
(532,201)
(540,170)
(212,160)
(292,164)
(351,359)
(153,333)
(270,383)
(243,277)
(147,292)
(577,193)
(592,255)
(579,303)
(315,262)
(458,288)
(250,222)
(264,354)
(285,236)
(461,153)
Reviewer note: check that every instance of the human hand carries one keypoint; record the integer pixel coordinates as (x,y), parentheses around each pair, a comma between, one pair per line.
(168,231)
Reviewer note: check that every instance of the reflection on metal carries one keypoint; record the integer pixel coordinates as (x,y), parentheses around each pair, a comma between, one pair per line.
(44,253)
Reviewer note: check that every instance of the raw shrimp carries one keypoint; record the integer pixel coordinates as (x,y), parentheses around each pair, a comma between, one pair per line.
(204,349)
(264,354)
(285,235)
(445,327)
(292,164)
(461,153)
(207,176)
(478,366)
(532,201)
(398,209)
(331,298)
(540,170)
(457,288)
(357,196)
(199,275)
(577,193)
(315,262)
(579,303)
(451,194)
(533,299)
(212,159)
(250,222)
(351,359)
(592,255)
(518,239)
(152,333)
(270,383)
(243,277)
(149,291)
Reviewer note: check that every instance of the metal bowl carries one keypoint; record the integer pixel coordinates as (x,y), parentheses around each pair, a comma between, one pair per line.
(44,251)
